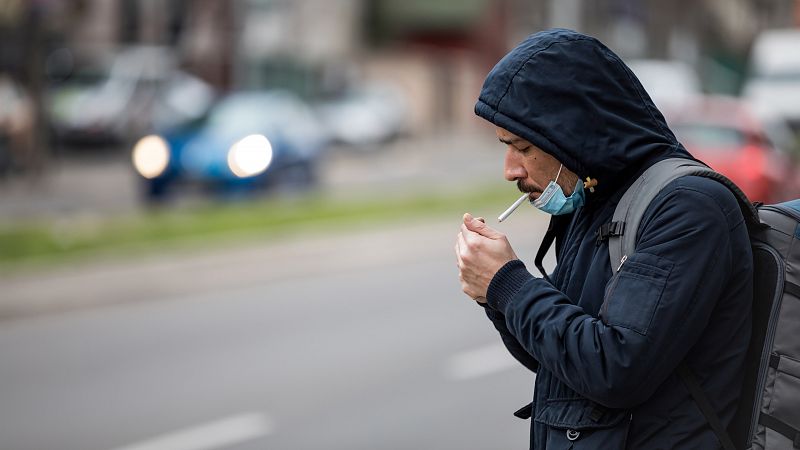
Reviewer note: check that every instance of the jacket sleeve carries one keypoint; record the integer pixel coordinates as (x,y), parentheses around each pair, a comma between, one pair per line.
(654,309)
(511,343)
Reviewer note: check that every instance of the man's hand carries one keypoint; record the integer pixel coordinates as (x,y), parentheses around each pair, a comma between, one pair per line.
(481,251)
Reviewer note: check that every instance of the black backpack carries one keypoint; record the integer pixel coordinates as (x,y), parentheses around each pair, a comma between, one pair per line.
(768,416)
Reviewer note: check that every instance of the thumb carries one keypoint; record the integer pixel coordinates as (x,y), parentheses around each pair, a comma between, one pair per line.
(480,227)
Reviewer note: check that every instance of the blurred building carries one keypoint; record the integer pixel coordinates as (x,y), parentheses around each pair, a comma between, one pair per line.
(436,51)
(714,36)
(200,32)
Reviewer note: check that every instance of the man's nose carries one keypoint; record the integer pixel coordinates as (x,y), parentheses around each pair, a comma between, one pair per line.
(513,168)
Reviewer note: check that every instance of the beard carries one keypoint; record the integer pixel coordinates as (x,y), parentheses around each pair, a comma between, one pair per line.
(526,188)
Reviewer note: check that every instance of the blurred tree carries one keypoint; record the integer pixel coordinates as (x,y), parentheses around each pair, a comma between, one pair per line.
(22,40)
(129,21)
(207,40)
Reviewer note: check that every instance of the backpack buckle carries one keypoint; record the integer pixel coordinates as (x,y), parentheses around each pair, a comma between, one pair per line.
(609,229)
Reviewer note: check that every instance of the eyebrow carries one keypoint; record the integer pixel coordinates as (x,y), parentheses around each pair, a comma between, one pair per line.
(508,141)
(512,141)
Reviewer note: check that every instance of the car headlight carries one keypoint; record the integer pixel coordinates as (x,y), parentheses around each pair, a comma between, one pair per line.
(151,156)
(250,156)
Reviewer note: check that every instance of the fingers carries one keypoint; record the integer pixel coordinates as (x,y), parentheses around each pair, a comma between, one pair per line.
(477,248)
(462,252)
(459,247)
(475,240)
(478,225)
(472,224)
(470,234)
(462,249)
(469,241)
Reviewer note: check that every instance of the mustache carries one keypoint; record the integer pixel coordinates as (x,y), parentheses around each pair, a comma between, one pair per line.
(526,187)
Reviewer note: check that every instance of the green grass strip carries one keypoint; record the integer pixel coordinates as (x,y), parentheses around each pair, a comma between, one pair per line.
(63,241)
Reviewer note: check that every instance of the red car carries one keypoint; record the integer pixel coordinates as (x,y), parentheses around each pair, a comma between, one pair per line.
(723,133)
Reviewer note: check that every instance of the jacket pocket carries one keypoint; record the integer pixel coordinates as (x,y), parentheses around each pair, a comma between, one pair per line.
(634,293)
(578,424)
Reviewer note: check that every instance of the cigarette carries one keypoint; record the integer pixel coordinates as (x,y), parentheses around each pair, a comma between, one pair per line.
(511,208)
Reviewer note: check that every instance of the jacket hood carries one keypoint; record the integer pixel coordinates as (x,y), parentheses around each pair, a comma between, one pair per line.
(571,96)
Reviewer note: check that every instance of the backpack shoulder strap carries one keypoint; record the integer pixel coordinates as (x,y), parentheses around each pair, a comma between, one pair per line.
(631,207)
(627,215)
(637,198)
(705,406)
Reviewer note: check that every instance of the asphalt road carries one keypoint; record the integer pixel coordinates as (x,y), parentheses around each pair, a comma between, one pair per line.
(361,340)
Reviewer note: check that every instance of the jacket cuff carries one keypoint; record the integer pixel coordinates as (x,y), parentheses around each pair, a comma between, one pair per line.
(506,283)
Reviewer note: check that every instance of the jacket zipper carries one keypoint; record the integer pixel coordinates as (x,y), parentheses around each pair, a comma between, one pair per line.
(621,262)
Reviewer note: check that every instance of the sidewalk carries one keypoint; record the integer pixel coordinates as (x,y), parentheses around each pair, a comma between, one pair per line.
(190,273)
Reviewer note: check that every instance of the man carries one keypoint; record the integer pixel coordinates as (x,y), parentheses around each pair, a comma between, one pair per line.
(579,129)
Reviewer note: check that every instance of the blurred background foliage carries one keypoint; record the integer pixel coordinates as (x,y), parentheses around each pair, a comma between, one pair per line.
(377,83)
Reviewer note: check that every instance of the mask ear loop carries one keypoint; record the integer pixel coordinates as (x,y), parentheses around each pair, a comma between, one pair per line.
(547,240)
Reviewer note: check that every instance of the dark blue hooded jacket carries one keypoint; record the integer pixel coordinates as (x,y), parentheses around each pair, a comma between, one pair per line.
(605,349)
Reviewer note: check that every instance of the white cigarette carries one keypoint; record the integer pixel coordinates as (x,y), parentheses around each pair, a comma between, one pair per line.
(511,208)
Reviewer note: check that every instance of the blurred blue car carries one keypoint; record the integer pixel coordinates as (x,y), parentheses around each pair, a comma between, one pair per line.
(248,141)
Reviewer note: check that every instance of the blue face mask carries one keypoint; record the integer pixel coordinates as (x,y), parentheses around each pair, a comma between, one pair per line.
(553,201)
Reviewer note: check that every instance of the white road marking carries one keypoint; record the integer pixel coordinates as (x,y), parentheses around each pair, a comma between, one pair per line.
(479,362)
(220,433)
